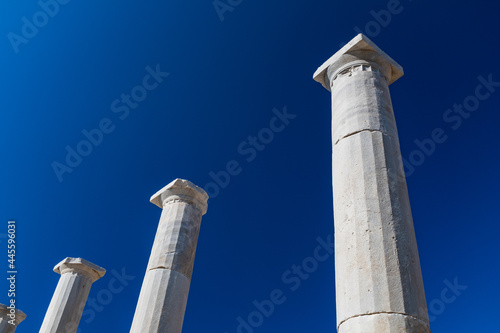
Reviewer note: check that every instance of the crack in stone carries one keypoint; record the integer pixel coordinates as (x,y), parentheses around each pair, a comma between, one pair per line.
(382,312)
(363,130)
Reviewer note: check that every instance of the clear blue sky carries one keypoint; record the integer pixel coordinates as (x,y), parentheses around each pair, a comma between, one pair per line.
(227,72)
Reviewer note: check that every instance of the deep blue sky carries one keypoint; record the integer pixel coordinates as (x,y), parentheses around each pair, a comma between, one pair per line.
(225,78)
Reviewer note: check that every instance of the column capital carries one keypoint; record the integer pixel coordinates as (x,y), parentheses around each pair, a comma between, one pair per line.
(4,311)
(80,266)
(183,190)
(360,50)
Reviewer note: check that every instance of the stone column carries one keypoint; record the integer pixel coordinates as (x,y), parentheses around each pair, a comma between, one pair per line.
(68,301)
(165,288)
(379,285)
(7,323)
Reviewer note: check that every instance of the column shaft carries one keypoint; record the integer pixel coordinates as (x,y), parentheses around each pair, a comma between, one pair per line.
(379,286)
(163,298)
(66,307)
(377,265)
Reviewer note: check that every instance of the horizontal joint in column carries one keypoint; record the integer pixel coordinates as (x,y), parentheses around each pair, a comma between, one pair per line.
(364,130)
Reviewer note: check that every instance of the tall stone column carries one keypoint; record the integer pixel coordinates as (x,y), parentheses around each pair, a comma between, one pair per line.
(379,285)
(163,298)
(7,324)
(66,307)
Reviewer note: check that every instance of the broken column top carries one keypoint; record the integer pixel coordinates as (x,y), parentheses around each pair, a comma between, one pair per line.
(359,48)
(81,266)
(20,316)
(183,190)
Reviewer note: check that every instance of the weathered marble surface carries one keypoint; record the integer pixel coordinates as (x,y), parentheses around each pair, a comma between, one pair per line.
(163,298)
(5,326)
(66,307)
(379,286)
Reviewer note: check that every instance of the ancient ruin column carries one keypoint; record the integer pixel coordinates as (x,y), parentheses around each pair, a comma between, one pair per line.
(165,288)
(66,306)
(10,320)
(379,285)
